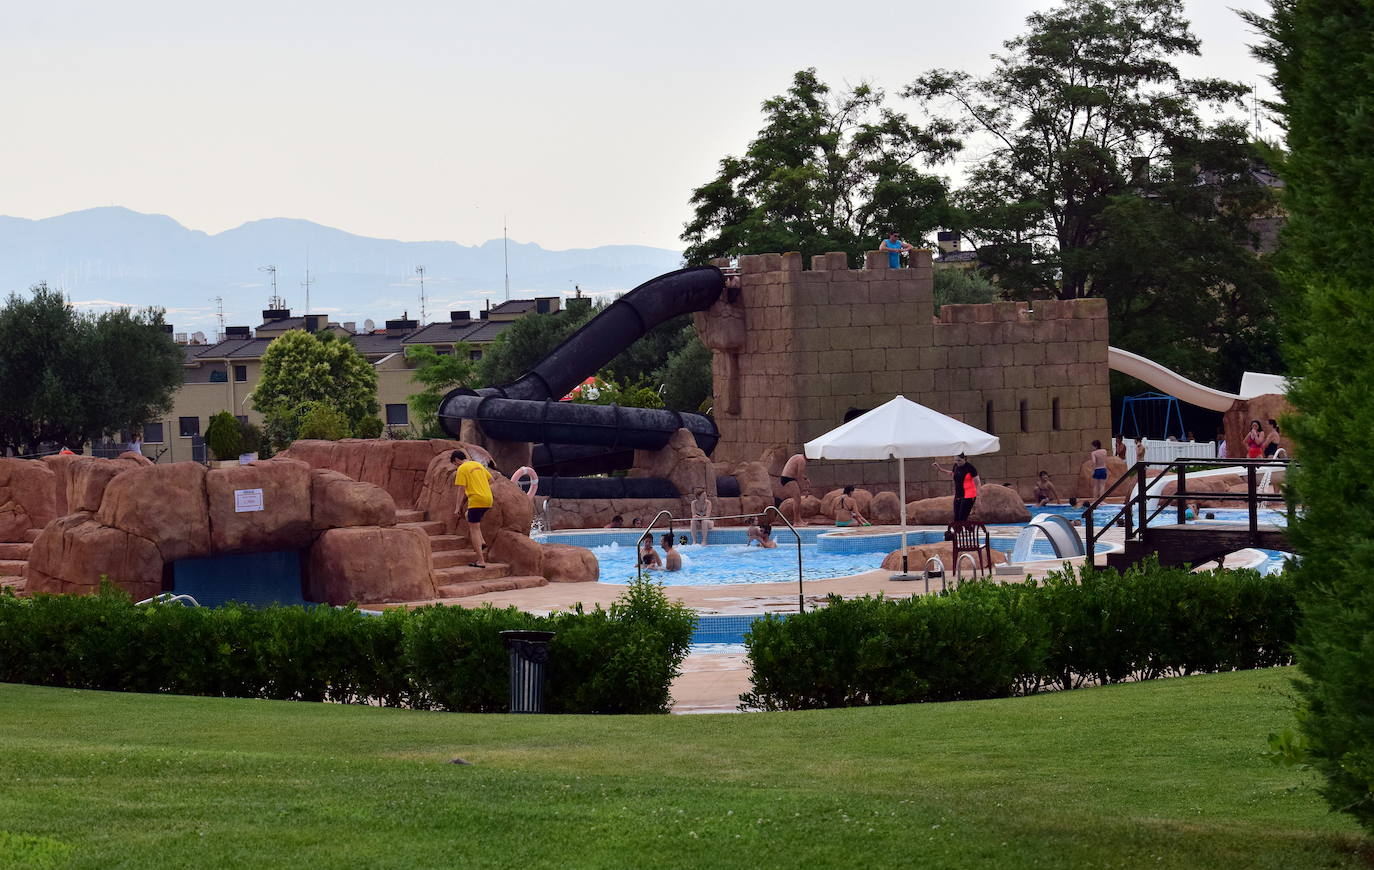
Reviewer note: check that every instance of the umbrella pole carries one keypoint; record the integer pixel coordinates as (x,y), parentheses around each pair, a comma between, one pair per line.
(901,488)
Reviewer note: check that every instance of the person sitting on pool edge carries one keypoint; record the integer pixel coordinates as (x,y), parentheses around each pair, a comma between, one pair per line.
(847,509)
(617,522)
(672,559)
(648,556)
(762,533)
(1045,492)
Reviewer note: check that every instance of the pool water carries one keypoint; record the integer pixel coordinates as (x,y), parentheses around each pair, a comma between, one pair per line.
(726,560)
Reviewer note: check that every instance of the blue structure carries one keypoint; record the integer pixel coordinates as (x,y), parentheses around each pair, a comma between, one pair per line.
(252,578)
(1152,407)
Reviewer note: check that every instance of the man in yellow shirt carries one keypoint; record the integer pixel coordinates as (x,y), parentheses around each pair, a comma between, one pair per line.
(474,497)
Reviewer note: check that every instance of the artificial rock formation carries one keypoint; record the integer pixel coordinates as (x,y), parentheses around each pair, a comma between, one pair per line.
(917,555)
(28,497)
(399,467)
(1083,485)
(995,504)
(369,564)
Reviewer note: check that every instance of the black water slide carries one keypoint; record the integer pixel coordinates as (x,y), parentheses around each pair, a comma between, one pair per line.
(591,439)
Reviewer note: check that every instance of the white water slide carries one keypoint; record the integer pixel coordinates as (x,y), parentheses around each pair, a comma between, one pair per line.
(1174,384)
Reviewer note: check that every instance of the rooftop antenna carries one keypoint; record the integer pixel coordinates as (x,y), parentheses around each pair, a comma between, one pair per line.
(420,270)
(219,306)
(306,283)
(276,302)
(505,253)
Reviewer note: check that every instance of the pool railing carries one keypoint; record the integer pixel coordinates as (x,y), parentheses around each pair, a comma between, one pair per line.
(771,509)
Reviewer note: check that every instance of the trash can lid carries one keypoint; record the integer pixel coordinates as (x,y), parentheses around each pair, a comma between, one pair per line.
(537,636)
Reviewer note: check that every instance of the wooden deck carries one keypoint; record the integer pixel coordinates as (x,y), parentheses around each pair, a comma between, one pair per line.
(1195,543)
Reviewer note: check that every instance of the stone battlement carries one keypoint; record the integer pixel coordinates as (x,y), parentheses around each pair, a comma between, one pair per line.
(797,352)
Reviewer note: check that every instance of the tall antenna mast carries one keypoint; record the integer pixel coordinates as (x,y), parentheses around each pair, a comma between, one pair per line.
(420,270)
(276,301)
(505,252)
(306,283)
(219,306)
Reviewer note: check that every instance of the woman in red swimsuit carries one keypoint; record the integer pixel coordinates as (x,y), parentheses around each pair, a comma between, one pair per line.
(1254,441)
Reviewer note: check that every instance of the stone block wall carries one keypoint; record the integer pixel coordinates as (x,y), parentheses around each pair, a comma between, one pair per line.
(820,342)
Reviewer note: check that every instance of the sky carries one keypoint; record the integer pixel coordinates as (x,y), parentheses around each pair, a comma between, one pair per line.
(574,125)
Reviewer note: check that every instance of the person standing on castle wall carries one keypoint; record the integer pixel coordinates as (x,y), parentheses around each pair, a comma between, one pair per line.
(895,247)
(966,485)
(793,484)
(474,499)
(1099,458)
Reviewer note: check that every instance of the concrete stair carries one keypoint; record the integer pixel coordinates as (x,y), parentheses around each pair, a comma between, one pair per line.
(13,567)
(451,558)
(14,561)
(482,587)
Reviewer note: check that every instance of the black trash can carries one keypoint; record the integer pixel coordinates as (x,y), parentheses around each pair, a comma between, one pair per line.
(529,652)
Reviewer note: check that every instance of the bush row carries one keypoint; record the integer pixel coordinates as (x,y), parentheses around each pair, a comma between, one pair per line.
(984,640)
(621,660)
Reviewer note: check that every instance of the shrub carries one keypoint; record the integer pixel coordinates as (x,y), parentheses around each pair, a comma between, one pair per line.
(322,422)
(368,427)
(250,436)
(983,640)
(621,660)
(224,436)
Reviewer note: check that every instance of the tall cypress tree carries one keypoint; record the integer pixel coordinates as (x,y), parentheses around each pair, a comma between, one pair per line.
(1324,72)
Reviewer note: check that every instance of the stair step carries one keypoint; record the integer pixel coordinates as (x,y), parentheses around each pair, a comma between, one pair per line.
(32,535)
(432,528)
(15,551)
(13,567)
(466,573)
(442,543)
(482,587)
(410,516)
(452,558)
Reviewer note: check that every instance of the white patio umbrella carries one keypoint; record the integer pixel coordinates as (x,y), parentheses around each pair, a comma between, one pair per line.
(901,429)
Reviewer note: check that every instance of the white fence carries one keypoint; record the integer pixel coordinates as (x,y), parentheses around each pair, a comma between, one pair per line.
(1168,451)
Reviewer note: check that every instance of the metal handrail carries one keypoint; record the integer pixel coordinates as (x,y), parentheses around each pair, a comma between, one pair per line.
(959,566)
(1137,521)
(170,598)
(941,565)
(771,509)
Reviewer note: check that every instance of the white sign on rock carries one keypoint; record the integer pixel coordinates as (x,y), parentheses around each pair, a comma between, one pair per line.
(246,500)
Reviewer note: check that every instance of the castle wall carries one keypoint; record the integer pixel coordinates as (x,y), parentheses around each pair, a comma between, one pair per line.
(817,343)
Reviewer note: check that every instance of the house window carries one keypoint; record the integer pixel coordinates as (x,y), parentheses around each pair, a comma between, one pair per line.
(474,355)
(240,374)
(188,426)
(397,415)
(219,377)
(152,433)
(1054,414)
(1025,416)
(988,414)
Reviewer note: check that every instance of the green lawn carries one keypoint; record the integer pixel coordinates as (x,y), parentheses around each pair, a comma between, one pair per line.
(1160,774)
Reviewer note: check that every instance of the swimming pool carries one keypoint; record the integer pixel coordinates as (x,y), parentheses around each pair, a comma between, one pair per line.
(726,560)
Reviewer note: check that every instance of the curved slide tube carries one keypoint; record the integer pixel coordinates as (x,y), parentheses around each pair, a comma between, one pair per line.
(1169,381)
(1063,538)
(527,408)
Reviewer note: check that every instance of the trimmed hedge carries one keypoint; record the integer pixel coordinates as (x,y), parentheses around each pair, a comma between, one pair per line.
(621,660)
(985,640)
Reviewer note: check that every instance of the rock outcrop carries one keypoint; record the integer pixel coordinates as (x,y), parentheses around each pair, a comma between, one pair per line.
(564,563)
(1083,486)
(916,556)
(28,497)
(369,564)
(995,504)
(399,467)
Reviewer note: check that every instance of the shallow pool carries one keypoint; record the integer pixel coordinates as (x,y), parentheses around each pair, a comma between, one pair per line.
(726,560)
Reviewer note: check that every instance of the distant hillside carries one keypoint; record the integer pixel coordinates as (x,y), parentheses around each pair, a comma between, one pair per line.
(114,255)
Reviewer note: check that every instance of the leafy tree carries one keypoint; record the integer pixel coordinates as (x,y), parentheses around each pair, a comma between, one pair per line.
(250,439)
(826,173)
(686,376)
(369,427)
(1091,86)
(68,378)
(1322,71)
(321,421)
(963,287)
(299,369)
(224,436)
(439,373)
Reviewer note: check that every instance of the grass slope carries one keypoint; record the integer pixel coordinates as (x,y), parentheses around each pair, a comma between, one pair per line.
(1160,774)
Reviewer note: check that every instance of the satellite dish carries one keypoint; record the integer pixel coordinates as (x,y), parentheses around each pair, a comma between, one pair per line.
(369,325)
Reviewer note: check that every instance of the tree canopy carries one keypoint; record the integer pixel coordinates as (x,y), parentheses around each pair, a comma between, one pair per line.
(1073,109)
(67,378)
(828,172)
(1320,51)
(300,371)
(437,374)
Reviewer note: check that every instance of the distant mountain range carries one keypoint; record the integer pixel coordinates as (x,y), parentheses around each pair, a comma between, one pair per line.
(105,257)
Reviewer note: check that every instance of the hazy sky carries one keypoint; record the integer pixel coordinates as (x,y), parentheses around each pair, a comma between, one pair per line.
(584,123)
